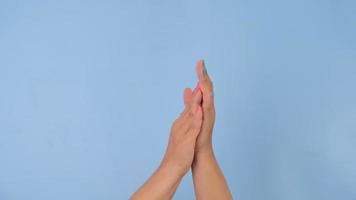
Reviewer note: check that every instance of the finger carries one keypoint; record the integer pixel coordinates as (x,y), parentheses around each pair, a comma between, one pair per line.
(198,117)
(187,96)
(196,99)
(197,87)
(206,85)
(193,100)
(185,115)
(188,121)
(208,96)
(202,71)
(197,122)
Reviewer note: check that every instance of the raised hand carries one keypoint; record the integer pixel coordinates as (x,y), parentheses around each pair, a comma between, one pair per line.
(179,154)
(204,141)
(190,146)
(184,132)
(209,181)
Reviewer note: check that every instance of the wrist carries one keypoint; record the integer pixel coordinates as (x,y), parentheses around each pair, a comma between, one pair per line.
(172,169)
(203,154)
(205,148)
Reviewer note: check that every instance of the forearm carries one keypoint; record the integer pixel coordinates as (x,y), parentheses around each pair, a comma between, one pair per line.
(209,181)
(161,185)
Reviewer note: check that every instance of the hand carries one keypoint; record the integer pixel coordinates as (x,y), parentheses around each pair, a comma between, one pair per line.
(209,181)
(184,132)
(205,85)
(179,154)
(190,135)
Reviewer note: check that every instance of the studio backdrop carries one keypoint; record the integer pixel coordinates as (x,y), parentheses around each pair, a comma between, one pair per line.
(89,91)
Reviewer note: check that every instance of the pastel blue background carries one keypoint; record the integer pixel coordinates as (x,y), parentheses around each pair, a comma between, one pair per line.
(89,89)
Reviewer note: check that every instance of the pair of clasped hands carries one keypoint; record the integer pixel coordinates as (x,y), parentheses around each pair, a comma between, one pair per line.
(190,147)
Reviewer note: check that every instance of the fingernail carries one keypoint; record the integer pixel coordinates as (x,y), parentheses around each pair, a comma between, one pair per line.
(204,68)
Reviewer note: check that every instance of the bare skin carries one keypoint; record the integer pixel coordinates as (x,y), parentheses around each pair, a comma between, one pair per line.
(179,154)
(209,181)
(190,146)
